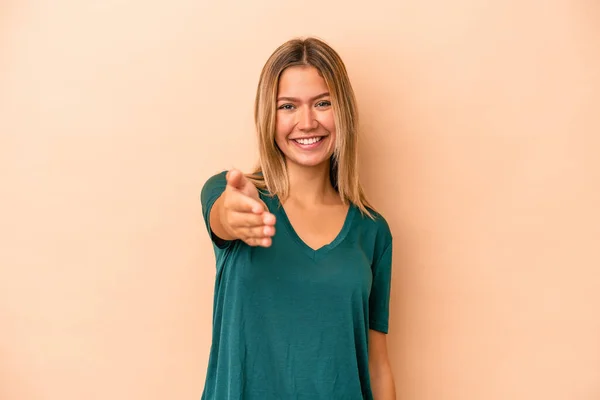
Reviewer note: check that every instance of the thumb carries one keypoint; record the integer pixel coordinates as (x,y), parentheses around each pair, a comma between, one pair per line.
(237,180)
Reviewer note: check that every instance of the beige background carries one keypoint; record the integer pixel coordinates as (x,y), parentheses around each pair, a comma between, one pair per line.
(480,121)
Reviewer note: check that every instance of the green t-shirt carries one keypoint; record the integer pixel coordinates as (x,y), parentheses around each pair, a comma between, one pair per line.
(290,322)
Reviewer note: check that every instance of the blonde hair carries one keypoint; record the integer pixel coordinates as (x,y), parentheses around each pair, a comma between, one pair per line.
(271,173)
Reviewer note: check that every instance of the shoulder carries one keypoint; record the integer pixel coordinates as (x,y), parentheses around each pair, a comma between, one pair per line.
(376,225)
(217,178)
(215,184)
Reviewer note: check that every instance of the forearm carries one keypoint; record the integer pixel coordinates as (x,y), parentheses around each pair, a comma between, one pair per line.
(382,382)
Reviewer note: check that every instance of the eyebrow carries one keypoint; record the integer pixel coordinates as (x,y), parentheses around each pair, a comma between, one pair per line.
(295,99)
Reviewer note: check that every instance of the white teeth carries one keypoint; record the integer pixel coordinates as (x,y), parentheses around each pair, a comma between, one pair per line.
(309,141)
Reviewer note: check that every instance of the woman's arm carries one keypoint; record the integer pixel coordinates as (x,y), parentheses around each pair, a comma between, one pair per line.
(382,379)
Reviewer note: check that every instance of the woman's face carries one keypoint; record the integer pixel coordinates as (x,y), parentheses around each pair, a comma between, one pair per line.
(305,124)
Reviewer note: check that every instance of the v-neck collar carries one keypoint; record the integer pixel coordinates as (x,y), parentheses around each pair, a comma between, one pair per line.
(315,254)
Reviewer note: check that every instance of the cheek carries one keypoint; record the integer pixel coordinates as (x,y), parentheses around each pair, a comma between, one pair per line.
(283,127)
(328,122)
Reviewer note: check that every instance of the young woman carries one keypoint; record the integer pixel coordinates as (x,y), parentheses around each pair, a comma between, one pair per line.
(302,288)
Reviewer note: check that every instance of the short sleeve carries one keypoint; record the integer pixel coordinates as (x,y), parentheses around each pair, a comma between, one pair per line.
(212,189)
(379,299)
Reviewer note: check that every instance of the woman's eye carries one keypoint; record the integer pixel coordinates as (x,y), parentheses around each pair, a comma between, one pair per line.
(285,107)
(323,104)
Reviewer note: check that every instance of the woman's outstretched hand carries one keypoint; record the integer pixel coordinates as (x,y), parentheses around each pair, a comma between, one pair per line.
(243,215)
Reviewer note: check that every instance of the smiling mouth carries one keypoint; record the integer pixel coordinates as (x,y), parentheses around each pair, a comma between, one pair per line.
(308,141)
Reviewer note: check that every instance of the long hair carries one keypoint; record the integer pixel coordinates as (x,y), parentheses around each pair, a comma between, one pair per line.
(271,172)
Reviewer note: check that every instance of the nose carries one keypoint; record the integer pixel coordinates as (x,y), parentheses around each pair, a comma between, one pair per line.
(306,119)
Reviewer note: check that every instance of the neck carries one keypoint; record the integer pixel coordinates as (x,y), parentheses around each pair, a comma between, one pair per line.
(311,185)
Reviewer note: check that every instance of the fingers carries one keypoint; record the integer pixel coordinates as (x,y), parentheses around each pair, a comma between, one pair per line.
(238,202)
(258,232)
(254,235)
(235,179)
(264,242)
(247,220)
(252,225)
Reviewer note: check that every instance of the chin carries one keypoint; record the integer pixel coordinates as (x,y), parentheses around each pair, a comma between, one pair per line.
(311,163)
